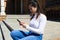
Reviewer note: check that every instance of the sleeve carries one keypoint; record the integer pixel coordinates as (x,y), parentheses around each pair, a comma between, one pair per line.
(41,26)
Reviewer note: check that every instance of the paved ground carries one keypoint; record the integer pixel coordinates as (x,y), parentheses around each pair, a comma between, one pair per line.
(52,29)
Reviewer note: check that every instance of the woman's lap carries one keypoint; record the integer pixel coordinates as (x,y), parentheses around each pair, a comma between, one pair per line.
(20,35)
(31,37)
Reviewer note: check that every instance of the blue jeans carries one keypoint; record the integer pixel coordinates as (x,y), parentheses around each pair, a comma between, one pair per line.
(20,35)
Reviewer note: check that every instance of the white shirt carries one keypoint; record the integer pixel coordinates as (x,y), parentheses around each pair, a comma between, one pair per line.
(37,25)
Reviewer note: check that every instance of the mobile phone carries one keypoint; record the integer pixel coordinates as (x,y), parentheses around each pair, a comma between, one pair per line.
(18,20)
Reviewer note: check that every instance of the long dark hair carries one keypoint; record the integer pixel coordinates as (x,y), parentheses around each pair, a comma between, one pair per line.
(35,4)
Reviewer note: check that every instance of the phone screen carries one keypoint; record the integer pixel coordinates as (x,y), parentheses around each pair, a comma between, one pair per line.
(18,20)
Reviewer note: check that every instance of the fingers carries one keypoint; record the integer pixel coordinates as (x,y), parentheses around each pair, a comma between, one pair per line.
(21,23)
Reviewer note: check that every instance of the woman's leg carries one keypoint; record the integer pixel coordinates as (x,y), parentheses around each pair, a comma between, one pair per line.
(32,37)
(16,34)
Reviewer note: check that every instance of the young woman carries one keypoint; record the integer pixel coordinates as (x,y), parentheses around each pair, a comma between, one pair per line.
(36,26)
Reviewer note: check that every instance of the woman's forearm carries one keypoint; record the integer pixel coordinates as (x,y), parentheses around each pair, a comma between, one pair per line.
(33,29)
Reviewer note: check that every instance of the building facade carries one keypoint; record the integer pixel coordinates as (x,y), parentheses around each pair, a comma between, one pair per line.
(49,7)
(19,6)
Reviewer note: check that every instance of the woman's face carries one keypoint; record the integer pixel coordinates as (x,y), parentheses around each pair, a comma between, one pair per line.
(32,9)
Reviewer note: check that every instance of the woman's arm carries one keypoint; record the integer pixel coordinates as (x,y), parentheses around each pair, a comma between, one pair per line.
(41,26)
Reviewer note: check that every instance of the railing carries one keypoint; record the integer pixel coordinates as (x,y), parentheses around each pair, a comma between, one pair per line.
(9,28)
(2,33)
(6,28)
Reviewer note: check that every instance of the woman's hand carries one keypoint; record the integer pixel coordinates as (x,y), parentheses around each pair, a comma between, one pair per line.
(23,24)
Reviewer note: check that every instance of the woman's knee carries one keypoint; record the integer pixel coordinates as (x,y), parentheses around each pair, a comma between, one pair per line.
(14,32)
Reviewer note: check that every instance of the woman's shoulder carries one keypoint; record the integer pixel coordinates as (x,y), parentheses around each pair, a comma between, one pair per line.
(43,16)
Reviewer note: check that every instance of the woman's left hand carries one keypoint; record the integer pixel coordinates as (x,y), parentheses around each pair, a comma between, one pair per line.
(23,24)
